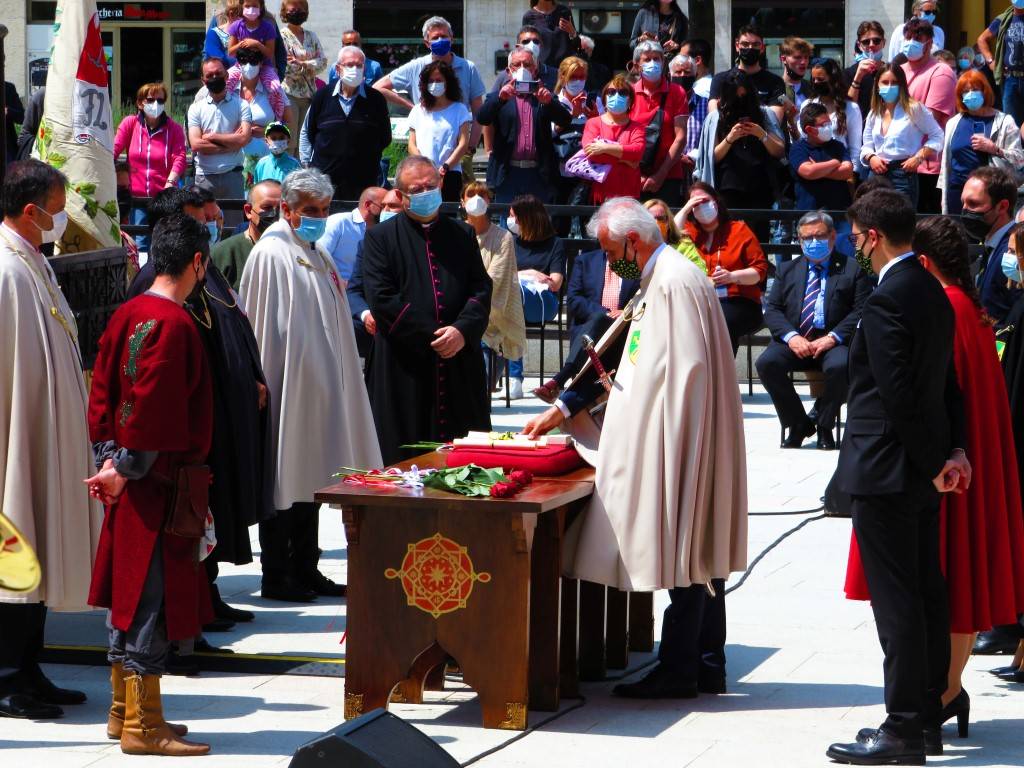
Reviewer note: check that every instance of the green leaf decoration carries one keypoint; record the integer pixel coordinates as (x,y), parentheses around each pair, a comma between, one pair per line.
(85,188)
(56,159)
(91,208)
(115,233)
(110,208)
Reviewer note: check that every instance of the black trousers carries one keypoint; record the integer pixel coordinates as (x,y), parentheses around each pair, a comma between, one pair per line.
(898,536)
(289,544)
(22,627)
(929,195)
(594,327)
(773,368)
(742,316)
(693,633)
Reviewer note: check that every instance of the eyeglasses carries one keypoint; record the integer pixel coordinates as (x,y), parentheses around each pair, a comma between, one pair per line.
(852,238)
(662,217)
(155,101)
(872,41)
(620,91)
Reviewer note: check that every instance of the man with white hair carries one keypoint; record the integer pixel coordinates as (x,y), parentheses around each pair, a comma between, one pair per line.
(347,128)
(320,414)
(669,509)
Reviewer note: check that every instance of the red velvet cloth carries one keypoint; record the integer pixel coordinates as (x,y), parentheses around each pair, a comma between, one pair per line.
(549,461)
(151,391)
(982,530)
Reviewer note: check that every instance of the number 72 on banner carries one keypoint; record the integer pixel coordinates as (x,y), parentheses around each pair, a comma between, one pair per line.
(91,116)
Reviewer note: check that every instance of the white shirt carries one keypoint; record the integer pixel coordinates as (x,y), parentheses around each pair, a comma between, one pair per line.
(437,132)
(906,134)
(222,116)
(888,265)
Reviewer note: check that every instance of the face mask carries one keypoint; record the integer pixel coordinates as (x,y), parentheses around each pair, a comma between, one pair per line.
(437,89)
(250,71)
(425,204)
(821,88)
(1018,3)
(59,224)
(441,47)
(864,261)
(575,87)
(297,17)
(973,99)
(889,93)
(385,215)
(875,55)
(476,206)
(533,48)
(251,13)
(513,225)
(825,132)
(216,85)
(310,229)
(153,109)
(792,74)
(975,225)
(966,63)
(1011,267)
(912,49)
(522,75)
(351,76)
(267,218)
(663,226)
(624,268)
(195,296)
(211,227)
(816,250)
(616,103)
(278,146)
(929,17)
(651,70)
(749,56)
(706,213)
(685,82)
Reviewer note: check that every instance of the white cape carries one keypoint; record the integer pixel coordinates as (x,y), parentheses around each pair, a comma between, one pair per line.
(320,411)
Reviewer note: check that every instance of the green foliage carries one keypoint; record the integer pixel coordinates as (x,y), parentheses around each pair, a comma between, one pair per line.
(395,153)
(470,480)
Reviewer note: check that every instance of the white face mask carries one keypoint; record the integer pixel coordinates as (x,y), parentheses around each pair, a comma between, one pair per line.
(533,48)
(476,206)
(825,132)
(513,225)
(437,89)
(60,223)
(351,76)
(706,213)
(279,146)
(250,71)
(153,109)
(522,75)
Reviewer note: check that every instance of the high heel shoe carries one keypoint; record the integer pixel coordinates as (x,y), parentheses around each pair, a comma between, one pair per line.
(960,707)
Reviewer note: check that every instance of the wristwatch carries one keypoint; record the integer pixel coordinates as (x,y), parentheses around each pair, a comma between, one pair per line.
(446,167)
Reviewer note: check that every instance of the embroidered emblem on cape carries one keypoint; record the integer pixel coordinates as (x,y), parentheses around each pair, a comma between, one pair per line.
(633,349)
(125,411)
(135,342)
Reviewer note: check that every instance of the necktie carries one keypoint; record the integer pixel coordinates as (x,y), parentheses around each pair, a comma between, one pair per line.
(810,299)
(612,288)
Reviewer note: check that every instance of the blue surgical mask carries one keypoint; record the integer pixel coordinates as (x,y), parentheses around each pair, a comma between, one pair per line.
(575,87)
(651,70)
(385,215)
(973,100)
(912,49)
(966,63)
(425,204)
(889,93)
(816,250)
(875,55)
(616,103)
(441,47)
(211,227)
(929,17)
(1018,3)
(311,229)
(1011,268)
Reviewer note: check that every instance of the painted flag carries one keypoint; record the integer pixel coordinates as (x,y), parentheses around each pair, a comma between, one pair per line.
(76,134)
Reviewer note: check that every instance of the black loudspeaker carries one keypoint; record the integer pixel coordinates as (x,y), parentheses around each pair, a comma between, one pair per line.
(377,739)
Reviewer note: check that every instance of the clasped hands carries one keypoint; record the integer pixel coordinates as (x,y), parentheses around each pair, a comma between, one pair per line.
(107,485)
(955,476)
(804,349)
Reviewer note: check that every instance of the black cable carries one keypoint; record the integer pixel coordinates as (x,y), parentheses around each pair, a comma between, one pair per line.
(524,734)
(769,548)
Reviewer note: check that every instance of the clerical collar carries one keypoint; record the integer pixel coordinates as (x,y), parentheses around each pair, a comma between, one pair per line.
(27,245)
(889,265)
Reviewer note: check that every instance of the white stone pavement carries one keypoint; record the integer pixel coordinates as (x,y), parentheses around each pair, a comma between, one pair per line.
(804,666)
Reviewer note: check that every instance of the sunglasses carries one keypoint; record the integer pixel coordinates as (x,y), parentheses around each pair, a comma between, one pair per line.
(155,100)
(620,91)
(872,41)
(526,40)
(662,217)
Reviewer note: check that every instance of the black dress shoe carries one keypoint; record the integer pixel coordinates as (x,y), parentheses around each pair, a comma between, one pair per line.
(202,645)
(321,585)
(1002,639)
(186,666)
(932,739)
(1017,677)
(714,684)
(218,625)
(38,686)
(826,442)
(1005,672)
(24,707)
(798,434)
(657,684)
(879,748)
(229,613)
(287,591)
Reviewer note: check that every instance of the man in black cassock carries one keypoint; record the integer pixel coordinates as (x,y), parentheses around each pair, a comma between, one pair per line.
(425,283)
(240,459)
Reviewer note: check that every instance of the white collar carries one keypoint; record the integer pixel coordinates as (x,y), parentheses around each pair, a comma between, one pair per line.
(357,217)
(996,236)
(361,91)
(897,260)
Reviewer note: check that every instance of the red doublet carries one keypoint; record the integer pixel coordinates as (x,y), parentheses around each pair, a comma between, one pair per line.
(151,391)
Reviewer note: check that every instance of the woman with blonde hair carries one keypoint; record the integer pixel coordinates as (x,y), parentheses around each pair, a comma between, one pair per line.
(671,233)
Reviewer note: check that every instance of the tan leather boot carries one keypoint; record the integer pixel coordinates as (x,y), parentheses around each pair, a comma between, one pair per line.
(145,732)
(115,721)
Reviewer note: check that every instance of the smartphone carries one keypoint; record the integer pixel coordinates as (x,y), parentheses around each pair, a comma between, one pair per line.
(743,120)
(526,87)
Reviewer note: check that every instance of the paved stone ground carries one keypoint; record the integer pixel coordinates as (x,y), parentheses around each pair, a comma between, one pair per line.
(804,666)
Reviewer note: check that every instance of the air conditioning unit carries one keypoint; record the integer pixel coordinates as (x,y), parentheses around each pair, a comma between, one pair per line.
(600,22)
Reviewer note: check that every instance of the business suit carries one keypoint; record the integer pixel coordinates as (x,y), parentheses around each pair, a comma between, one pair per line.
(905,415)
(357,305)
(586,284)
(996,296)
(507,180)
(846,290)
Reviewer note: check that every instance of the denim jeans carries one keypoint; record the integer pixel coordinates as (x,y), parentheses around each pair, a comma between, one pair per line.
(1013,98)
(902,182)
(138,217)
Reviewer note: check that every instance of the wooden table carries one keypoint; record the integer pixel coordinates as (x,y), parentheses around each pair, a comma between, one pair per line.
(434,574)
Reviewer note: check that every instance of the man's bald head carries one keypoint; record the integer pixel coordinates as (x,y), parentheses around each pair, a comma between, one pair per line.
(370,204)
(261,207)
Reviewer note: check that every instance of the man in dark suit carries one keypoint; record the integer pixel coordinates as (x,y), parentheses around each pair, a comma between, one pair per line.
(901,451)
(989,199)
(522,160)
(812,313)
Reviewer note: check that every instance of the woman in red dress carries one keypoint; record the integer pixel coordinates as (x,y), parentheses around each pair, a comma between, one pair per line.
(982,530)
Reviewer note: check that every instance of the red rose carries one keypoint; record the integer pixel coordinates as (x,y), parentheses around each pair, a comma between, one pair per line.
(521,477)
(504,490)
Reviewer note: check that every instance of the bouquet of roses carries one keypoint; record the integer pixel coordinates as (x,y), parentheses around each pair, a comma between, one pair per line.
(470,480)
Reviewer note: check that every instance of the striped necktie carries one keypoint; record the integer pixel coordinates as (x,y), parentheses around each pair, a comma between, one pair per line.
(810,299)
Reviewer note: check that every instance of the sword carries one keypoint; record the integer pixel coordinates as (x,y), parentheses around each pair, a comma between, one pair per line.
(595,360)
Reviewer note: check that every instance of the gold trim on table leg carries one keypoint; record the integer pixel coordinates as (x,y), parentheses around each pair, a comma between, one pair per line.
(353,705)
(515,717)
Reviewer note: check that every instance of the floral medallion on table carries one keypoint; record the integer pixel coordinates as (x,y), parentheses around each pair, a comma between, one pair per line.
(437,575)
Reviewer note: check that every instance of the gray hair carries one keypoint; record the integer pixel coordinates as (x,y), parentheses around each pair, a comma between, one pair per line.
(816,217)
(622,215)
(349,49)
(677,61)
(525,51)
(647,46)
(587,42)
(306,183)
(436,21)
(410,161)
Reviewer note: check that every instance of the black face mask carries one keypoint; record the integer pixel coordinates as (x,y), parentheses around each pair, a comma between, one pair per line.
(791,74)
(266,219)
(297,17)
(749,56)
(686,81)
(975,225)
(216,85)
(864,261)
(823,88)
(196,296)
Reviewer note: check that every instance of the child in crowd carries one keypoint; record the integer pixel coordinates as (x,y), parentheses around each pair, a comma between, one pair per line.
(254,30)
(820,164)
(278,163)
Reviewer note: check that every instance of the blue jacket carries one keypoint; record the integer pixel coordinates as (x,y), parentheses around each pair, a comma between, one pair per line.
(996,296)
(586,284)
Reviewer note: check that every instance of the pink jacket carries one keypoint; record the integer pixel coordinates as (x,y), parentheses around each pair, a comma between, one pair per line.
(151,157)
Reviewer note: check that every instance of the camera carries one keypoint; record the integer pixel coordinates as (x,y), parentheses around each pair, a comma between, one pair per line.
(528,86)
